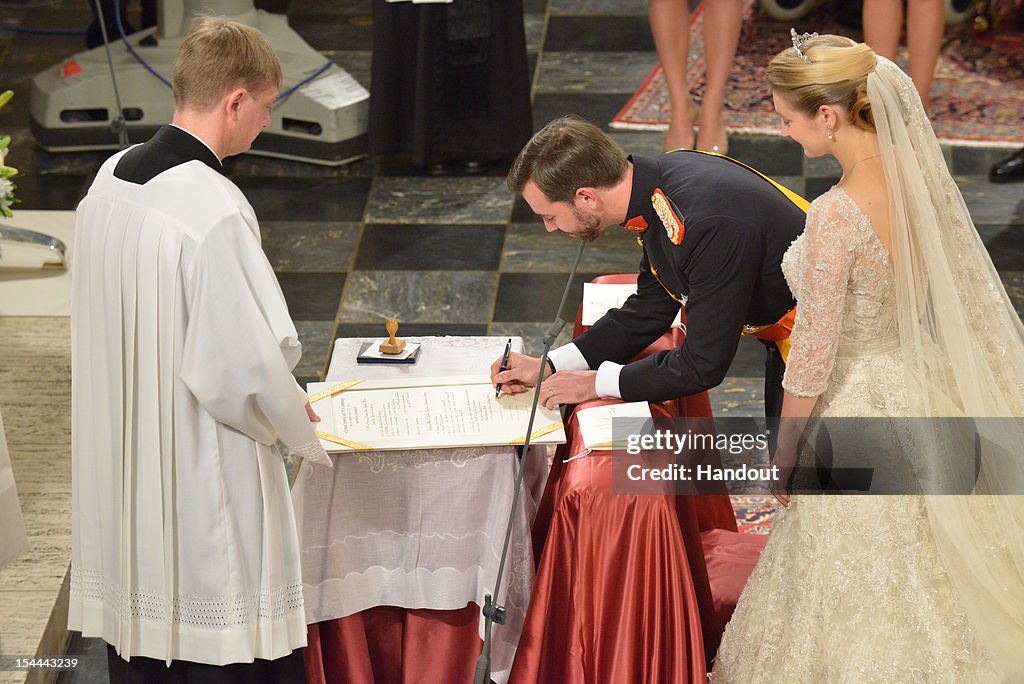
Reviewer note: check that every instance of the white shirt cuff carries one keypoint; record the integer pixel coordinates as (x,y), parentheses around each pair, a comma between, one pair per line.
(607,382)
(568,357)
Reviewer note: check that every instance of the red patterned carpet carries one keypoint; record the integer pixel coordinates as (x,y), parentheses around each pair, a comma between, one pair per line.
(754,514)
(977,97)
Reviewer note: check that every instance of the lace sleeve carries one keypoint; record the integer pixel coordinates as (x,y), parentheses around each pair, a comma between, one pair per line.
(824,266)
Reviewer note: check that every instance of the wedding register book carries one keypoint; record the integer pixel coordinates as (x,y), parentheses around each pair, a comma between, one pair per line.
(426,413)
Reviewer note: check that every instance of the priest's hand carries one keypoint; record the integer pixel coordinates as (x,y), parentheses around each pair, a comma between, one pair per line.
(313,418)
(519,375)
(568,387)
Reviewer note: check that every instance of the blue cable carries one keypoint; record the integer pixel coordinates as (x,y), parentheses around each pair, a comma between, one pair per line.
(131,51)
(304,81)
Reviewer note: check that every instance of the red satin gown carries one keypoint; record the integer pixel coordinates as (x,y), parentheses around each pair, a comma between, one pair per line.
(630,588)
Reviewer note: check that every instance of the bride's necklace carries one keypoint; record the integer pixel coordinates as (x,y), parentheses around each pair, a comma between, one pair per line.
(850,170)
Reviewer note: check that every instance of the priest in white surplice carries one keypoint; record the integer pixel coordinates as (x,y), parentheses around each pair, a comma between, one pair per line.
(185,553)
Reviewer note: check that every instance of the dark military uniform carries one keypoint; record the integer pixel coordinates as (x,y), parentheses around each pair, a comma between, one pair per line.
(713,238)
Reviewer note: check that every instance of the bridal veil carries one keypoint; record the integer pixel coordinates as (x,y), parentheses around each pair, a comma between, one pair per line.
(963,347)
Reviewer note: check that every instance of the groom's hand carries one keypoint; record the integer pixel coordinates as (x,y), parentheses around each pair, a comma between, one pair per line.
(519,375)
(568,387)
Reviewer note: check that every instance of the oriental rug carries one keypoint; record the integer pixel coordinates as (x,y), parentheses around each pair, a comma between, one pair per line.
(754,514)
(977,95)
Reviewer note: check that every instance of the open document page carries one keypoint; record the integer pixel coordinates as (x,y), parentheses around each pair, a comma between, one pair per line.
(426,413)
(600,298)
(597,423)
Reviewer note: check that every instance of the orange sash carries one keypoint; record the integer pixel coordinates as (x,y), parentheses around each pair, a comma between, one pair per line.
(777,332)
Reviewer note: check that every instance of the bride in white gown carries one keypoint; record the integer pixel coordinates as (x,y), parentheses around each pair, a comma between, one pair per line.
(899,313)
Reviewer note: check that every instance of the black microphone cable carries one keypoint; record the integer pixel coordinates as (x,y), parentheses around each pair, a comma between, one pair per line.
(492,610)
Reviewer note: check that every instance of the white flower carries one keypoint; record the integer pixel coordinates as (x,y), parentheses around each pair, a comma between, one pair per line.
(6,195)
(6,172)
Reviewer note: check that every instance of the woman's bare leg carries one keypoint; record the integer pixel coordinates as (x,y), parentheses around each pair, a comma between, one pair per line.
(926,20)
(722,22)
(670,26)
(883,23)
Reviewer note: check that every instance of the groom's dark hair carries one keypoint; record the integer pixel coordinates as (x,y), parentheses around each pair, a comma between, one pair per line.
(567,154)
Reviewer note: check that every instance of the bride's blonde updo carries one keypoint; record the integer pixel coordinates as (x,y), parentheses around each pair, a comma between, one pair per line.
(833,71)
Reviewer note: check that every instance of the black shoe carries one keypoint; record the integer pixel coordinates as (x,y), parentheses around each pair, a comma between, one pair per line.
(1008,170)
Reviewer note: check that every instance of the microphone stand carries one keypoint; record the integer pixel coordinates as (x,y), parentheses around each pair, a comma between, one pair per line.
(492,610)
(118,124)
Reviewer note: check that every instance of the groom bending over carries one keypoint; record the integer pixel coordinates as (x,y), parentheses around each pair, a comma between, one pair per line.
(713,233)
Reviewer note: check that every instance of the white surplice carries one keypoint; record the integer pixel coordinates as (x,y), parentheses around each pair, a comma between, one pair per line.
(184,541)
(13,538)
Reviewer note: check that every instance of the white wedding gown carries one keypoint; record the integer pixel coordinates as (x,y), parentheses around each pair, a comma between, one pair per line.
(848,588)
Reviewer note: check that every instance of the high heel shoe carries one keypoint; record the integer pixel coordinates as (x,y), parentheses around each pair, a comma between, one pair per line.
(722,149)
(695,115)
(717,149)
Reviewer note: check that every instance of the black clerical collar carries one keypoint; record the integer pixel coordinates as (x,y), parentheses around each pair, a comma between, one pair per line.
(170,147)
(646,177)
(207,158)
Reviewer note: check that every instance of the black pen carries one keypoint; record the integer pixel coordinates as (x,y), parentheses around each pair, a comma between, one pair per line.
(503,366)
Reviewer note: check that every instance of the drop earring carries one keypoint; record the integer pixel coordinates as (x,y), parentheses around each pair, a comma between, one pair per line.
(828,133)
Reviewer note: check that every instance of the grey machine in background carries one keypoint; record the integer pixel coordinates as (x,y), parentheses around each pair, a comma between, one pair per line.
(321,116)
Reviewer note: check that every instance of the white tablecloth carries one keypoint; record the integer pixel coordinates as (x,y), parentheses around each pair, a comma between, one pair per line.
(39,293)
(422,528)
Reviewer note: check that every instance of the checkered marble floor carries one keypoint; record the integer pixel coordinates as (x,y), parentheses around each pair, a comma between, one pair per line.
(355,245)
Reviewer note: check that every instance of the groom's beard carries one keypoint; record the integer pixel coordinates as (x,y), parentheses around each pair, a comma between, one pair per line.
(589,226)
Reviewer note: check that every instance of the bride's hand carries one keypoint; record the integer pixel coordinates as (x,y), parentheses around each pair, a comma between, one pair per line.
(784,464)
(795,412)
